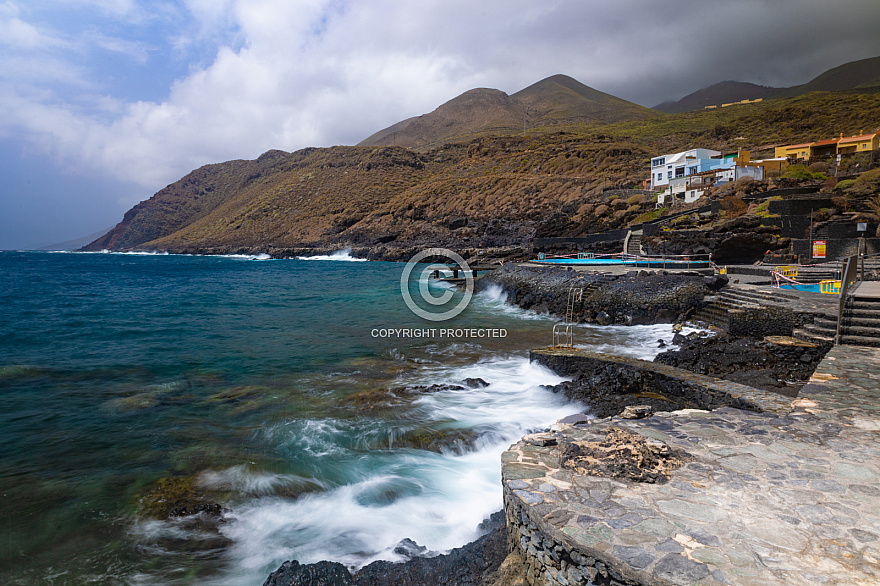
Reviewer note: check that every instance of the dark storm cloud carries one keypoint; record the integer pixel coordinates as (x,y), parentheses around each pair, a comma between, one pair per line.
(259,74)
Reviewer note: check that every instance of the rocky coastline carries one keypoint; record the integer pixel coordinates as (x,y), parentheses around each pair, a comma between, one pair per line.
(635,298)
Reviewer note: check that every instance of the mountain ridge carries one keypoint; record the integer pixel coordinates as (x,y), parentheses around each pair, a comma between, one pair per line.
(554,101)
(862,75)
(478,194)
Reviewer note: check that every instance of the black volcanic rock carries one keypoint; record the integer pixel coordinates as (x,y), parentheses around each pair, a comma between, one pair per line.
(471,565)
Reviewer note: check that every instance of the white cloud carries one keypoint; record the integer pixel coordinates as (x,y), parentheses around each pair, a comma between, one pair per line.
(288,74)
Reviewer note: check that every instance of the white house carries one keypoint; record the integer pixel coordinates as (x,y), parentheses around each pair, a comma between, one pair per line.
(677,165)
(690,188)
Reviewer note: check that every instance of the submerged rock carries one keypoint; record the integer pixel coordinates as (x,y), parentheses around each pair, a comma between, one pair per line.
(178,496)
(386,398)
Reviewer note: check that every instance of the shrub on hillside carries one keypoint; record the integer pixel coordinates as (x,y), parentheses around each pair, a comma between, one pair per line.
(637,199)
(819,167)
(734,206)
(845,184)
(802,172)
(867,183)
(601,210)
(841,203)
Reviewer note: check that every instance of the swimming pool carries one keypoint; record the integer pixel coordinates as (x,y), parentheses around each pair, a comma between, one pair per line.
(670,264)
(809,287)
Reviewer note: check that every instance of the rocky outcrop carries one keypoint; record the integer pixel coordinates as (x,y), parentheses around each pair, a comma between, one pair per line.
(640,297)
(608,384)
(476,564)
(775,363)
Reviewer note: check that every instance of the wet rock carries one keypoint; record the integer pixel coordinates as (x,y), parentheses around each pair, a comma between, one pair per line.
(477,563)
(640,297)
(466,566)
(443,440)
(475,383)
(178,496)
(603,319)
(293,573)
(637,411)
(576,419)
(410,549)
(540,439)
(374,399)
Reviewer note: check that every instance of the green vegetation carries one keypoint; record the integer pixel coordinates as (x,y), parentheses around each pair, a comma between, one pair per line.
(845,184)
(636,199)
(763,208)
(803,172)
(650,216)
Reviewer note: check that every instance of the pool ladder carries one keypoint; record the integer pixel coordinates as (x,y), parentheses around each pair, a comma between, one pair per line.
(563,334)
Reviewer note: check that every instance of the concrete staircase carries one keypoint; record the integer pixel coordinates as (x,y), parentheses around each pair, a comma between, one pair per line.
(717,308)
(634,242)
(861,317)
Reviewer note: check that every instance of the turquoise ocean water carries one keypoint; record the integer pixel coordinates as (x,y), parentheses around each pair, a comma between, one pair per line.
(230,375)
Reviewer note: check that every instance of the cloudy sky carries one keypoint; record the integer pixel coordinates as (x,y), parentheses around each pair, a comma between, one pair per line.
(104,102)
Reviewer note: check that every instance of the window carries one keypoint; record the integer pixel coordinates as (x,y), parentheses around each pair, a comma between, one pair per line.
(679,171)
(692,170)
(864,146)
(658,162)
(669,174)
(659,176)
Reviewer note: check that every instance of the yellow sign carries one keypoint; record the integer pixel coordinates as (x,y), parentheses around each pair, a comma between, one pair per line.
(818,249)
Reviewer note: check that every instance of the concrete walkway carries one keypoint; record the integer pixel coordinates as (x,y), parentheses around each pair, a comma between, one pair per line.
(787,498)
(869,289)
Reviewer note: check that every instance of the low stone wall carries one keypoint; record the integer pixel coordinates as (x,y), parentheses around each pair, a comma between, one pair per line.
(619,374)
(758,322)
(551,560)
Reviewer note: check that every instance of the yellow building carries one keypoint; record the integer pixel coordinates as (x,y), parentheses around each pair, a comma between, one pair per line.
(795,151)
(857,144)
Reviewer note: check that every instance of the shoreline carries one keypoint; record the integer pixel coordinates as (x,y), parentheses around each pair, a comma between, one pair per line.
(640,297)
(488,558)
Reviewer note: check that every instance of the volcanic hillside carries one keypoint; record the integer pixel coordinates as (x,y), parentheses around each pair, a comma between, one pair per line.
(488,192)
(557,101)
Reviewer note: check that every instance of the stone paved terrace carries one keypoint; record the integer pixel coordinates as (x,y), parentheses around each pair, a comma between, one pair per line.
(769,498)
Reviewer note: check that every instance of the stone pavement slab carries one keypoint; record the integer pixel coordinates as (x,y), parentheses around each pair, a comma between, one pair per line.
(767,498)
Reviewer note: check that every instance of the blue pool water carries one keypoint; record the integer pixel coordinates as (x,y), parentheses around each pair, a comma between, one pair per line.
(809,287)
(617,261)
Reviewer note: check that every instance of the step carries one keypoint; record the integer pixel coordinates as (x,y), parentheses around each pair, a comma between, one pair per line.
(862,306)
(862,321)
(810,336)
(819,331)
(859,341)
(859,331)
(758,296)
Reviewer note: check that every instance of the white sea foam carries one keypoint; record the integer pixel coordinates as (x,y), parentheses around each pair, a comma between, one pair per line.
(243,479)
(339,255)
(387,495)
(495,299)
(640,341)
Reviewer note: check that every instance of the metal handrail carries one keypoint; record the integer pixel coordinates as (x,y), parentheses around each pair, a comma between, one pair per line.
(850,276)
(575,295)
